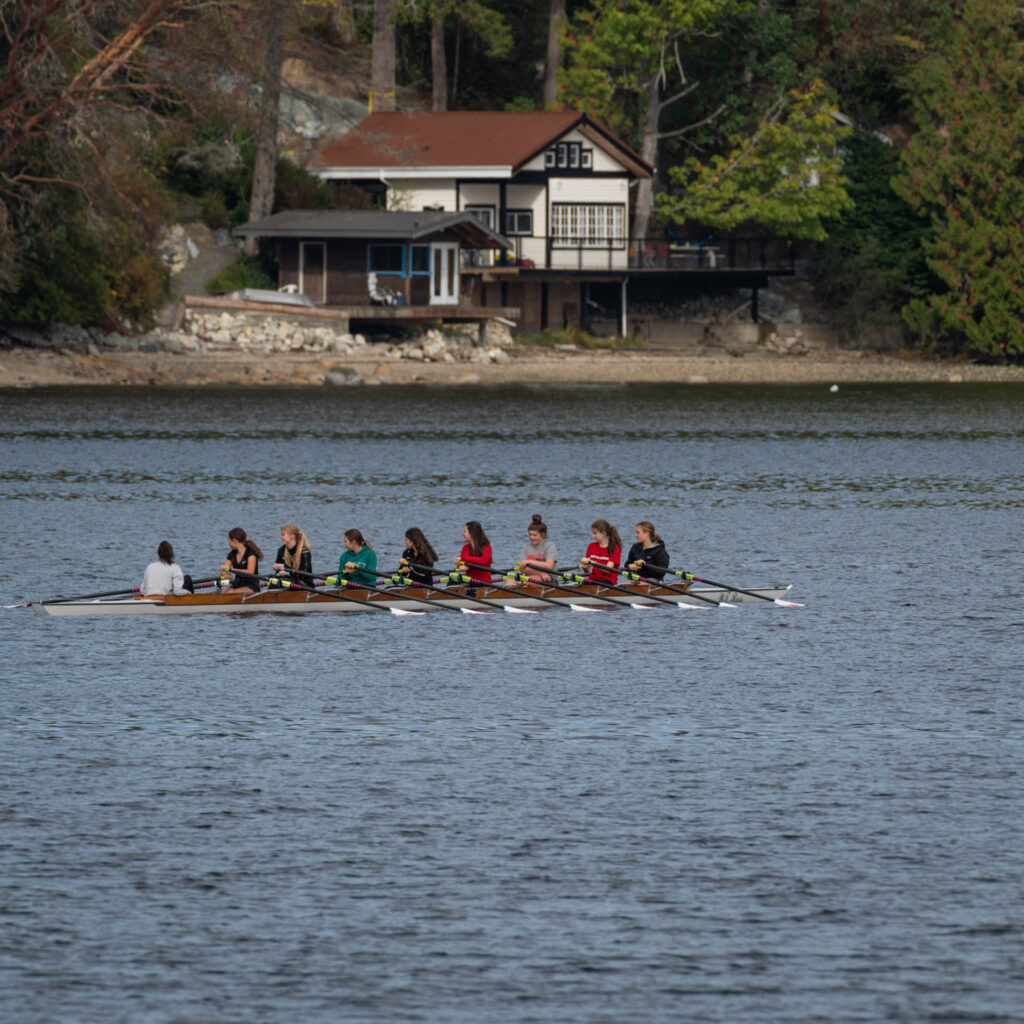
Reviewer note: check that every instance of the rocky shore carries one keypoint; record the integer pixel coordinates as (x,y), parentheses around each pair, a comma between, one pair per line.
(229,348)
(24,367)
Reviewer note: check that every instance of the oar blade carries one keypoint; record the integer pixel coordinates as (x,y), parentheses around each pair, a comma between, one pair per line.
(474,611)
(520,611)
(404,611)
(787,604)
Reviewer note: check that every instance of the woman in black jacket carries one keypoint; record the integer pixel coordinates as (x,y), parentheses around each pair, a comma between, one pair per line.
(647,556)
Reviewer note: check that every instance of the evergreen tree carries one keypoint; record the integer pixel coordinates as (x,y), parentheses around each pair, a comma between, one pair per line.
(964,168)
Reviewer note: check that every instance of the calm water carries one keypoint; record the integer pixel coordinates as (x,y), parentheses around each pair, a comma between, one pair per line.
(761,815)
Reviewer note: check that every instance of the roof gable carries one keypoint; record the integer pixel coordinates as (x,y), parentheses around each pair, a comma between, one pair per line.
(502,139)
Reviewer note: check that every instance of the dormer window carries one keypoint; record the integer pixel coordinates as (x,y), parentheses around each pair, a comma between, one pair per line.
(569,156)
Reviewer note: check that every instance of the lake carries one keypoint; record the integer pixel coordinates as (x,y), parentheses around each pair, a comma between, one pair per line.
(760,814)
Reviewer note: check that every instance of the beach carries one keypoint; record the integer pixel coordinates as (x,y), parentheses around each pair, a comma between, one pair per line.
(33,367)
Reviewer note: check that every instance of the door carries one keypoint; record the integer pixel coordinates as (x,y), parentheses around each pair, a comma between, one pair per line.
(444,274)
(313,271)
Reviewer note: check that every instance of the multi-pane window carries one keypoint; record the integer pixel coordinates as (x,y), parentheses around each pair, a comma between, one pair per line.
(588,226)
(569,155)
(519,222)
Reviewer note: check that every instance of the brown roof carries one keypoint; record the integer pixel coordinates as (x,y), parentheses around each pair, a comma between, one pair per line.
(465,138)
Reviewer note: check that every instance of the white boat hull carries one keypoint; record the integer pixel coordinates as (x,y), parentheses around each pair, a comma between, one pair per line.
(292,602)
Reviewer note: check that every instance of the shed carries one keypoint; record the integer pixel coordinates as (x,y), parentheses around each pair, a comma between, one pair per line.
(356,257)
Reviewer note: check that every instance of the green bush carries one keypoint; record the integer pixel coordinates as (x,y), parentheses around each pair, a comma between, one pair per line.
(246,272)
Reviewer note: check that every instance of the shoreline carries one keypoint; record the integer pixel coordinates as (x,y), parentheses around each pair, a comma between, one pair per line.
(22,368)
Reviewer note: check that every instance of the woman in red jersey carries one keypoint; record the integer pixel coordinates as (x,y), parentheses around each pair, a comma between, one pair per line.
(606,549)
(476,552)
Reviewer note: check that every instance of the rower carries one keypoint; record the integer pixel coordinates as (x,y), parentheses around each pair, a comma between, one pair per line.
(606,550)
(294,556)
(359,561)
(418,552)
(648,556)
(244,561)
(538,553)
(476,552)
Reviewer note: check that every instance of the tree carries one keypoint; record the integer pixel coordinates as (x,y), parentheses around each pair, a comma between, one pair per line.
(553,57)
(265,166)
(625,66)
(964,169)
(382,69)
(786,176)
(81,86)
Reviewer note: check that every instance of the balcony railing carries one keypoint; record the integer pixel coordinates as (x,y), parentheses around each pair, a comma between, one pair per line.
(765,254)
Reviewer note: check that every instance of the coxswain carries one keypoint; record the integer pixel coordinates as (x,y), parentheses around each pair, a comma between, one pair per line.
(606,550)
(417,553)
(163,576)
(358,563)
(244,562)
(647,556)
(476,552)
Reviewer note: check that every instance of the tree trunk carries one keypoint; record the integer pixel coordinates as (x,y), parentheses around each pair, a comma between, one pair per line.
(382,72)
(341,24)
(438,62)
(264,174)
(649,151)
(554,54)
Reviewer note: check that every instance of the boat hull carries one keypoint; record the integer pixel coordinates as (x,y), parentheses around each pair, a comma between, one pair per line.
(530,597)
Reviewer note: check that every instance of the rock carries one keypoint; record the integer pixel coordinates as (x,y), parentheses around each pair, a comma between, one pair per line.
(92,350)
(148,345)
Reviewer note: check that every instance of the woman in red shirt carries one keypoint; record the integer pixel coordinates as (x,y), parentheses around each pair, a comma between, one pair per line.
(476,552)
(605,550)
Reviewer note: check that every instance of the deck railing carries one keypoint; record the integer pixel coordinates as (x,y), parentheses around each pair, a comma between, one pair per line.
(661,253)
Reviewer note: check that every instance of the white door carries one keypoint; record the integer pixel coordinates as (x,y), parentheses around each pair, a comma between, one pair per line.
(444,274)
(313,271)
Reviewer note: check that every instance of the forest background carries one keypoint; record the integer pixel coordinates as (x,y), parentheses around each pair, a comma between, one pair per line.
(886,134)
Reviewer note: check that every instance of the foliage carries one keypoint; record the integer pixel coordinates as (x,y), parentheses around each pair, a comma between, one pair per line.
(965,169)
(872,262)
(620,50)
(786,176)
(245,272)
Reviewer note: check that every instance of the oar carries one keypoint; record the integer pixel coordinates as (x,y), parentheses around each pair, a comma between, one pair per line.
(103,593)
(526,578)
(335,580)
(651,581)
(648,597)
(736,590)
(489,605)
(463,578)
(311,589)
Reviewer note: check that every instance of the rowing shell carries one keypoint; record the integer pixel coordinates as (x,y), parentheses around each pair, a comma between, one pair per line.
(300,602)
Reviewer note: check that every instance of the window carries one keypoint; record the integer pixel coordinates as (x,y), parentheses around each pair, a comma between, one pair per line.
(519,222)
(587,226)
(421,259)
(385,259)
(570,155)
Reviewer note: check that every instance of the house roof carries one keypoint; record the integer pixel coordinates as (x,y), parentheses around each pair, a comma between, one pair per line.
(376,225)
(457,140)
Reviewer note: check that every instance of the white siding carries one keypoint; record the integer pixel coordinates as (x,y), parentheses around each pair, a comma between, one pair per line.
(589,190)
(479,195)
(413,194)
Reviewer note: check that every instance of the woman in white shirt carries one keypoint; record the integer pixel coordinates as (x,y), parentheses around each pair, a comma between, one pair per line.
(163,576)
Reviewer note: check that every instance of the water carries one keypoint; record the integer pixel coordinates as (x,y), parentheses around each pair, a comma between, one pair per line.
(759,815)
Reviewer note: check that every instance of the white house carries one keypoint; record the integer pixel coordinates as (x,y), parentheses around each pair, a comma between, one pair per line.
(555,184)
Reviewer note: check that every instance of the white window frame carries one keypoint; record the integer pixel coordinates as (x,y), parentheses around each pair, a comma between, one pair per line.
(588,225)
(514,222)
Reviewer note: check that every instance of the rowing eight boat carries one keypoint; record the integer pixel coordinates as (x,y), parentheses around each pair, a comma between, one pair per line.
(403,599)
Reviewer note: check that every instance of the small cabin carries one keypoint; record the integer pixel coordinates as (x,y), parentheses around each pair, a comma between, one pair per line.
(375,257)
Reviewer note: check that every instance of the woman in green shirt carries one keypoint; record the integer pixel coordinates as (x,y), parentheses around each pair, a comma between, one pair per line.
(359,561)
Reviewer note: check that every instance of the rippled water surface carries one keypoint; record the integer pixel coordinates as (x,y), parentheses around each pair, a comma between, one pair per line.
(753,815)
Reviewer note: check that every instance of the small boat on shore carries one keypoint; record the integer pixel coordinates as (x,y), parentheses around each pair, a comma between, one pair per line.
(402,600)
